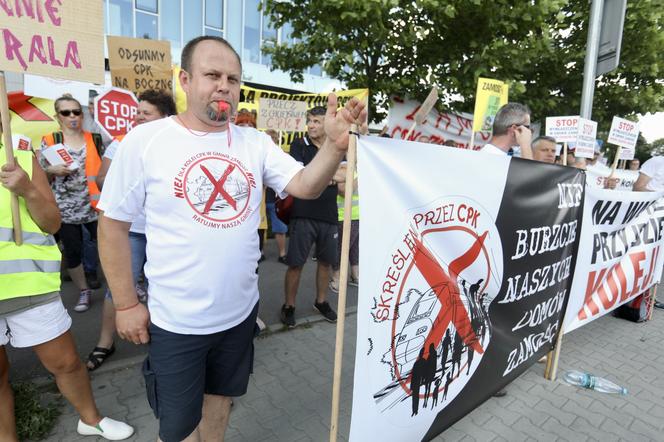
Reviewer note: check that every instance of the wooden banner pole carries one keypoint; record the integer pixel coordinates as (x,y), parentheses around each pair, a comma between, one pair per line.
(565,153)
(653,299)
(343,280)
(9,155)
(615,161)
(472,140)
(410,131)
(553,369)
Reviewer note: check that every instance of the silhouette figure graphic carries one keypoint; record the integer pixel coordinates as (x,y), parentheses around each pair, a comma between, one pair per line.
(416,376)
(429,374)
(436,387)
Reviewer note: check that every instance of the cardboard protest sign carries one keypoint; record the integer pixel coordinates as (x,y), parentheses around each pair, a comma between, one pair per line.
(624,234)
(138,64)
(585,139)
(624,133)
(563,129)
(437,127)
(63,39)
(490,95)
(286,115)
(464,285)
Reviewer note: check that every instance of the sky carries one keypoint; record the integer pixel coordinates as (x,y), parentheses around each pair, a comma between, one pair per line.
(652,126)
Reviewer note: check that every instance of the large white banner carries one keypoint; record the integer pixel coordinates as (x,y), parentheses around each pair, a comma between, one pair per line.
(448,312)
(620,255)
(436,128)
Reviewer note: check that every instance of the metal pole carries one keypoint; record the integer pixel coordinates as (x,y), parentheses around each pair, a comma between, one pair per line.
(592,49)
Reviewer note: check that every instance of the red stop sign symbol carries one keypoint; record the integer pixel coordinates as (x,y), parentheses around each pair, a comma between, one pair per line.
(115,111)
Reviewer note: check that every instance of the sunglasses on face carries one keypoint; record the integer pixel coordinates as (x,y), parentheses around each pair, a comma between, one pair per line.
(67,112)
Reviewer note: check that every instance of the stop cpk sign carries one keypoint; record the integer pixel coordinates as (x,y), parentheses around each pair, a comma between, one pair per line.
(115,111)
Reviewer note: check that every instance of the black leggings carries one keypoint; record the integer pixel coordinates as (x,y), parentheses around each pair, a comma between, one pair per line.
(71,236)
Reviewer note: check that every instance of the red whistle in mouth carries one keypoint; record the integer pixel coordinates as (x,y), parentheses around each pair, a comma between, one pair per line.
(222,106)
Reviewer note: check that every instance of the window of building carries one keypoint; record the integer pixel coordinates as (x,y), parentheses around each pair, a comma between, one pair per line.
(170,23)
(120,17)
(146,26)
(251,50)
(147,5)
(192,20)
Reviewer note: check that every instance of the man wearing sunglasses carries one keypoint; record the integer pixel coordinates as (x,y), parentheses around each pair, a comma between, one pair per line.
(511,127)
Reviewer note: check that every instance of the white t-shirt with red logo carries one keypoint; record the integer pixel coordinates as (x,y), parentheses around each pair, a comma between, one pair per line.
(201,199)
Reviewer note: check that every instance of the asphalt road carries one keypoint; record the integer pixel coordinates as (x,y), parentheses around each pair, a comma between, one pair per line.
(25,365)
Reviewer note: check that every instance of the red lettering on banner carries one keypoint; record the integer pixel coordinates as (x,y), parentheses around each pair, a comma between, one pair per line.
(411,116)
(443,117)
(636,259)
(610,296)
(51,52)
(653,259)
(622,280)
(591,287)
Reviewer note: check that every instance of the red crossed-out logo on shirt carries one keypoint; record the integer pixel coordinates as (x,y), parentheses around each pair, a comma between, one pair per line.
(217,188)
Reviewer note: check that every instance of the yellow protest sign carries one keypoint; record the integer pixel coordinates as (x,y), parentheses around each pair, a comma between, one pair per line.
(138,64)
(63,39)
(31,116)
(490,96)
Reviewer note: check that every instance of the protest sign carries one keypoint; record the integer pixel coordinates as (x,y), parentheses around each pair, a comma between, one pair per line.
(597,175)
(624,133)
(286,115)
(463,287)
(622,258)
(138,64)
(585,140)
(437,127)
(490,95)
(57,155)
(31,116)
(563,129)
(52,88)
(115,111)
(61,40)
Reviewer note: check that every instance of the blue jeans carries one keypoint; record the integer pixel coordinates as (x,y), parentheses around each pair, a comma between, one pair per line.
(137,243)
(89,259)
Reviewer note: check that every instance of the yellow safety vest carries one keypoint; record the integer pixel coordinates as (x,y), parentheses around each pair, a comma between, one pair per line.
(34,267)
(355,209)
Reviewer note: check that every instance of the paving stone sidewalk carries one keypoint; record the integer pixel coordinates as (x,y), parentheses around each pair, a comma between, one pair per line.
(289,394)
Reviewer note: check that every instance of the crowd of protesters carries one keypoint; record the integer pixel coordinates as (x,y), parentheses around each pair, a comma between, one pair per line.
(200,320)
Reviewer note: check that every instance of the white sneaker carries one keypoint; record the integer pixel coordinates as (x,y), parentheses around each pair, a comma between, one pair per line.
(107,428)
(83,301)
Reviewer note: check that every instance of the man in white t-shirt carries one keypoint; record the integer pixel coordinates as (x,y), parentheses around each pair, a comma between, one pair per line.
(651,176)
(200,180)
(511,127)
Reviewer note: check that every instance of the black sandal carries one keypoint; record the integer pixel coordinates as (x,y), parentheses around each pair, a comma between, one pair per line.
(98,355)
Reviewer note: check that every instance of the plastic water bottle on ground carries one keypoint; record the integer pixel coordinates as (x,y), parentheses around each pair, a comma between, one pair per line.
(591,382)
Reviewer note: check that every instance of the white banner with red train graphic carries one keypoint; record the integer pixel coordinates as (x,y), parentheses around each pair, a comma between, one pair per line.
(449,309)
(621,252)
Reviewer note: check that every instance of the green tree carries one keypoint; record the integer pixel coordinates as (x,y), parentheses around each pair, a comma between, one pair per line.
(399,47)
